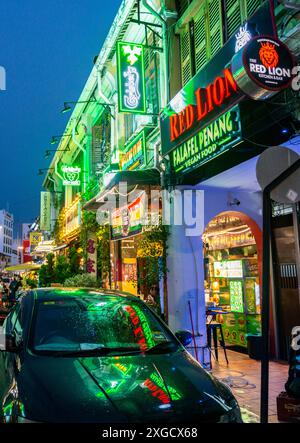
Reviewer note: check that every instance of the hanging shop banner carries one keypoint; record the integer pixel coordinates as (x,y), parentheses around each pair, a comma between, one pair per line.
(211,141)
(263,67)
(26,251)
(213,90)
(91,253)
(71,175)
(128,220)
(131,78)
(35,238)
(45,215)
(133,156)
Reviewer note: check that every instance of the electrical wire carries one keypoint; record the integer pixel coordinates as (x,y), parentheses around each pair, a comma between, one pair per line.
(259,144)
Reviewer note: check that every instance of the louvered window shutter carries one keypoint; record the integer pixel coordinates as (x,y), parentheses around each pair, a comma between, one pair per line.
(97,147)
(185,52)
(251,6)
(215,26)
(200,39)
(233,11)
(182,6)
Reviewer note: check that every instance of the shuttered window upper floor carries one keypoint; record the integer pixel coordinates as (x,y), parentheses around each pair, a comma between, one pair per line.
(208,25)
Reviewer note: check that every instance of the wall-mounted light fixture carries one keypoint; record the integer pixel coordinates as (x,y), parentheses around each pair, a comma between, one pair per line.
(48,151)
(41,170)
(68,108)
(55,138)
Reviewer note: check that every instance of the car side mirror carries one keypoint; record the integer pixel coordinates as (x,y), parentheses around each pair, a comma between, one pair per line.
(8,343)
(185,337)
(2,339)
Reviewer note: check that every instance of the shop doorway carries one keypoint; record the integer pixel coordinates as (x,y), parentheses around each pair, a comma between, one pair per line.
(232,271)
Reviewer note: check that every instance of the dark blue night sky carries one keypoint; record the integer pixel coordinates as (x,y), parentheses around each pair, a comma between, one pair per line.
(47,49)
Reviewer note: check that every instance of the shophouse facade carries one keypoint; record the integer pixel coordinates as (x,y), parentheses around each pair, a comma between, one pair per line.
(6,237)
(223,265)
(147,139)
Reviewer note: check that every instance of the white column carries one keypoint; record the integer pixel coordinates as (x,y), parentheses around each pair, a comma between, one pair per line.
(186,275)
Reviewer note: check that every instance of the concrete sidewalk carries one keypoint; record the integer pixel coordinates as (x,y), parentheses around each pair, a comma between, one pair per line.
(243,376)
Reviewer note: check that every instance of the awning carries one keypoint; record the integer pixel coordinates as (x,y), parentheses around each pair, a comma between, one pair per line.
(139,178)
(23,267)
(45,246)
(58,248)
(92,205)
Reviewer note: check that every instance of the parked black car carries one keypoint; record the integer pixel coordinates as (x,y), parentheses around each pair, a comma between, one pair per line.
(78,355)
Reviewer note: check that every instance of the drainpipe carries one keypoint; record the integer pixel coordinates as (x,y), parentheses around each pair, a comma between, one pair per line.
(54,186)
(164,84)
(165,71)
(56,171)
(84,155)
(53,181)
(58,174)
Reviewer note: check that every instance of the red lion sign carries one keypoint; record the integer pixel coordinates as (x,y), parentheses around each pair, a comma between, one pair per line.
(268,55)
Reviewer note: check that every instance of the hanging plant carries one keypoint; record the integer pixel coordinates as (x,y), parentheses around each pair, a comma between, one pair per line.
(88,224)
(92,189)
(103,254)
(59,228)
(152,249)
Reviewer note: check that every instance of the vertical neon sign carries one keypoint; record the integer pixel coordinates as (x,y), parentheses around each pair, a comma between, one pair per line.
(131,78)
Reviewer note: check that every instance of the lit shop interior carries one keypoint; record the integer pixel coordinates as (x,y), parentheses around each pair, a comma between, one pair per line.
(129,248)
(231,278)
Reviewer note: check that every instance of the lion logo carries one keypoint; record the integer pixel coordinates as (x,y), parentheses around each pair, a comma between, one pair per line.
(268,55)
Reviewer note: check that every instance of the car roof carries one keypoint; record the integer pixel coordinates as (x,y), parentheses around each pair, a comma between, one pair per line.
(62,293)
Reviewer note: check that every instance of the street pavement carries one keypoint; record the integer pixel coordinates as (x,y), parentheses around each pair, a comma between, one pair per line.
(243,376)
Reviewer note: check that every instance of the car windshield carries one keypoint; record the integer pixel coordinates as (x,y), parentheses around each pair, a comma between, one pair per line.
(93,323)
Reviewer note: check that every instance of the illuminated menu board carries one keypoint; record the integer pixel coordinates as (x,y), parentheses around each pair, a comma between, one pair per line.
(228,269)
(236,296)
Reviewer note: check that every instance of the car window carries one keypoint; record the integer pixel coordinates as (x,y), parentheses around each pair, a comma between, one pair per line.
(18,323)
(11,319)
(14,322)
(87,322)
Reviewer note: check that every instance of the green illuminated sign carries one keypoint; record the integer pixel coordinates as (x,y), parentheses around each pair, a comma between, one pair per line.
(213,140)
(131,78)
(71,175)
(236,296)
(133,155)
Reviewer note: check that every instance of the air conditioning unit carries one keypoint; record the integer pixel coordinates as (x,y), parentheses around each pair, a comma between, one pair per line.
(292,40)
(293,4)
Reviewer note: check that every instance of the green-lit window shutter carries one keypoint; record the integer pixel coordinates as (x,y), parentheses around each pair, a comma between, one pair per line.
(251,6)
(215,26)
(182,6)
(233,9)
(200,39)
(185,52)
